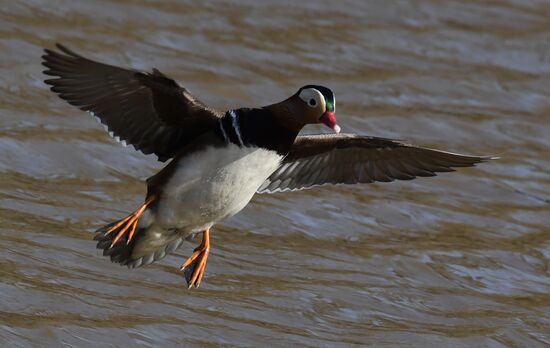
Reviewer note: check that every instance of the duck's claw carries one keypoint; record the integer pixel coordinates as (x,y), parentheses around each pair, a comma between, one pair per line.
(193,267)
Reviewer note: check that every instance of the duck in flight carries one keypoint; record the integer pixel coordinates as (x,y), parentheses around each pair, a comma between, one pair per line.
(218,160)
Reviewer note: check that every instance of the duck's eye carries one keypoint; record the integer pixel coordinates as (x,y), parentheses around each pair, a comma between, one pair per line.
(312,102)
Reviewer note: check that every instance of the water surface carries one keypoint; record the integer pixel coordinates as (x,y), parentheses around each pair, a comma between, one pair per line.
(460,260)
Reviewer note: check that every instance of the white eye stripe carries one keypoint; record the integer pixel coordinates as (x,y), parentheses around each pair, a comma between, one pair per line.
(311,94)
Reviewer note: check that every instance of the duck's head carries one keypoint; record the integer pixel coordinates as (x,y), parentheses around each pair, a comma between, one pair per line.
(320,105)
(310,105)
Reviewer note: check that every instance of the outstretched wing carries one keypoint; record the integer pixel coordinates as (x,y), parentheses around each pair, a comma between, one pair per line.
(350,159)
(147,110)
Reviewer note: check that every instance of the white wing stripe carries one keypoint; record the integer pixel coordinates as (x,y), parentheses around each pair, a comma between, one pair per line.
(236,126)
(223,132)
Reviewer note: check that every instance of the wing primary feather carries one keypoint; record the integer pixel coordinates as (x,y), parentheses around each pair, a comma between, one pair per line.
(133,105)
(345,159)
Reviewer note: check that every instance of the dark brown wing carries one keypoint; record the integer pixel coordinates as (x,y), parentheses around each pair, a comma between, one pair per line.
(147,110)
(350,159)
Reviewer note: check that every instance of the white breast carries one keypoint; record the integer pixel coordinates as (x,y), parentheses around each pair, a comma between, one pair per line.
(213,184)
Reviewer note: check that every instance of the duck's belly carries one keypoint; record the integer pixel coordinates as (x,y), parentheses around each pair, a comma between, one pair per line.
(213,184)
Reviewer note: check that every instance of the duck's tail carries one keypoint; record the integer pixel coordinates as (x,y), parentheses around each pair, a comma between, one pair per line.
(137,240)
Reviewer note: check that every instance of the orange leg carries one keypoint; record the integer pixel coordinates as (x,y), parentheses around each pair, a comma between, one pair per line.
(193,268)
(130,223)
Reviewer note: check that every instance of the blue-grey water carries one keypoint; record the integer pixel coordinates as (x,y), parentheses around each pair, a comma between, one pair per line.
(460,260)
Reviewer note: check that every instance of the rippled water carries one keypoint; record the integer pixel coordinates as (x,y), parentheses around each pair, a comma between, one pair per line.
(461,260)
